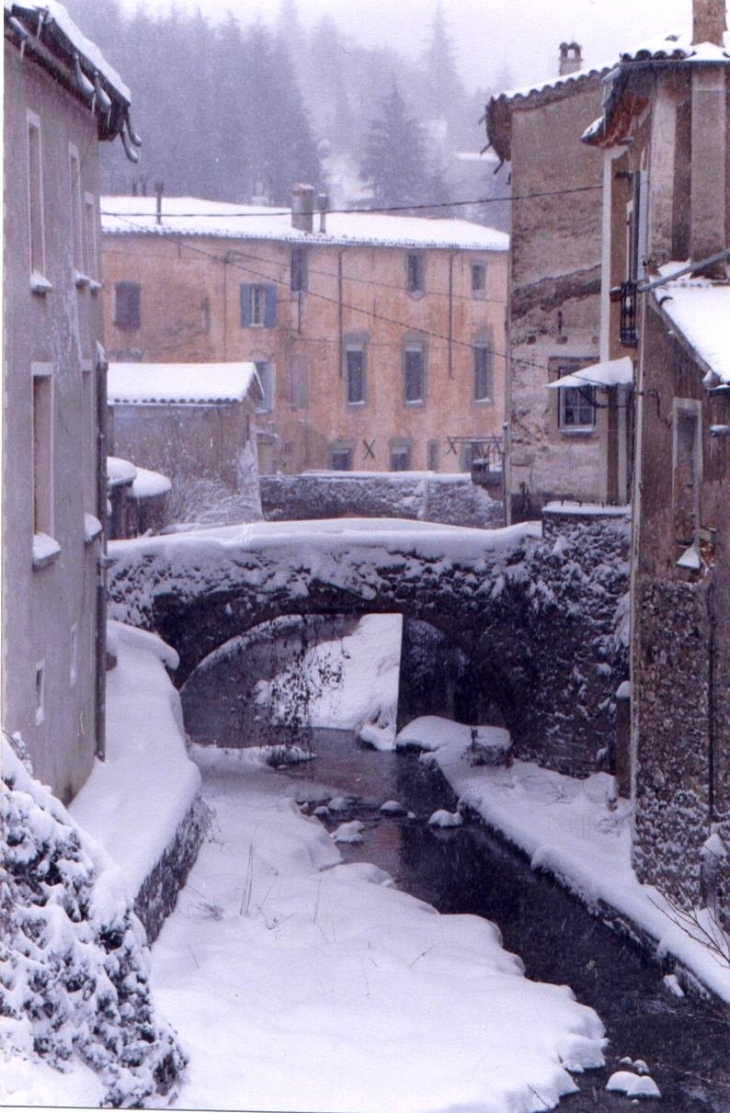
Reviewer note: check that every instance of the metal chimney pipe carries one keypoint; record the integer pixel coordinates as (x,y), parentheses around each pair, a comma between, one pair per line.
(159,189)
(322,205)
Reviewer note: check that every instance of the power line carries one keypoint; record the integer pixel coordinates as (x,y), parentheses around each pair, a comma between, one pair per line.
(385,209)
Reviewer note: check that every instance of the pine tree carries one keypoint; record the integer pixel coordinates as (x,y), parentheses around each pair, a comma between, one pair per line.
(395,163)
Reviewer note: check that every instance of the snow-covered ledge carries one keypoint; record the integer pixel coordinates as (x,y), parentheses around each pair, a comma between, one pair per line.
(142,802)
(45,550)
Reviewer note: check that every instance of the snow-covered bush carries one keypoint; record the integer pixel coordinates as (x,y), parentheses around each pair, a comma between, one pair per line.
(74,991)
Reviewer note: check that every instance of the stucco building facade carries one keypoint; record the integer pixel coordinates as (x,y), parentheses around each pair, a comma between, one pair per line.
(379,340)
(61,100)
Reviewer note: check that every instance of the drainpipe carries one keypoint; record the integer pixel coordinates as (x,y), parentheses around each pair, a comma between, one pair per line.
(451,314)
(101,501)
(340,320)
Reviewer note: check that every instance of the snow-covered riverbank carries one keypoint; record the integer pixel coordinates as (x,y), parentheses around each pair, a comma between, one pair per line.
(299,983)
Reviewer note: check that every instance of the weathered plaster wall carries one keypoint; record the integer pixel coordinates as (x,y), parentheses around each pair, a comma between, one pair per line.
(190,311)
(49,612)
(457,502)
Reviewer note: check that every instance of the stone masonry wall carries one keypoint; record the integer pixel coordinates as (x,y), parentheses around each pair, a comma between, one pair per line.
(454,500)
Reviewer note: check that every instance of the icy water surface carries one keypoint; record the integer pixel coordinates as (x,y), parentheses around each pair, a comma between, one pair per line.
(685,1042)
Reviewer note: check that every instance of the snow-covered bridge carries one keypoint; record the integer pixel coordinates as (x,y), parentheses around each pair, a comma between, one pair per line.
(198,590)
(511,604)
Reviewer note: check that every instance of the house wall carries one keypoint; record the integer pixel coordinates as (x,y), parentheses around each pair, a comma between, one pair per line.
(681,639)
(49,612)
(191,311)
(555,285)
(193,444)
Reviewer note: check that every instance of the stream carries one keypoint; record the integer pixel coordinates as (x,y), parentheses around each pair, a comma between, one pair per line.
(684,1041)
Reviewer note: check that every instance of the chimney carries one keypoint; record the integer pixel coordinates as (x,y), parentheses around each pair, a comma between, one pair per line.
(302,207)
(570,60)
(708,21)
(322,205)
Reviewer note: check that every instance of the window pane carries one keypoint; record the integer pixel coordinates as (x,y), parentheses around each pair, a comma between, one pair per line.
(576,408)
(266,377)
(341,459)
(478,278)
(414,273)
(127,305)
(482,373)
(355,375)
(414,374)
(400,459)
(298,269)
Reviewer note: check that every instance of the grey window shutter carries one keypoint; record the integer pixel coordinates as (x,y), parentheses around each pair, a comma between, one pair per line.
(246,306)
(270,320)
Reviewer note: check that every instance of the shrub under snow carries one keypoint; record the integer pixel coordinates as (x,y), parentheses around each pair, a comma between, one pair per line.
(74,992)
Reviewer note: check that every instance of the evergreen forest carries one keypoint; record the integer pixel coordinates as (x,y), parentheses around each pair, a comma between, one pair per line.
(241,111)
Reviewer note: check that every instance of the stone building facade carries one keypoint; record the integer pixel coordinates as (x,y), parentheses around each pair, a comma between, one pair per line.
(61,100)
(561,443)
(665,134)
(379,340)
(195,424)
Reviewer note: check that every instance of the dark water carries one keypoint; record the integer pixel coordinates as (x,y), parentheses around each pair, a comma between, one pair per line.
(684,1041)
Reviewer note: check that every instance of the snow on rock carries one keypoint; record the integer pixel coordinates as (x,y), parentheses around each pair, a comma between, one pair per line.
(392,807)
(149,484)
(281,967)
(443,818)
(580,832)
(135,800)
(349,832)
(633,1085)
(78,1026)
(482,745)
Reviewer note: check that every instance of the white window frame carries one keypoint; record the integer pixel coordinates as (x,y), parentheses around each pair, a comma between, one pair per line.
(483,346)
(419,347)
(265,372)
(359,349)
(258,305)
(565,394)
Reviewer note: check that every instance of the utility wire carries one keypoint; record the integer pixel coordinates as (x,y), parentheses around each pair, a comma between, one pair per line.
(384,209)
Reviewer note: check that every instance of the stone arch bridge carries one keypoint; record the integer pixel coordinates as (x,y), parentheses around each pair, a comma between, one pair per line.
(488,591)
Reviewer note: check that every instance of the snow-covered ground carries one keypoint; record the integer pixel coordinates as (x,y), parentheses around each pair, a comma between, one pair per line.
(350,684)
(580,832)
(297,982)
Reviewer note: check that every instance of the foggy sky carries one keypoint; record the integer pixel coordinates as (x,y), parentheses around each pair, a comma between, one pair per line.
(494,38)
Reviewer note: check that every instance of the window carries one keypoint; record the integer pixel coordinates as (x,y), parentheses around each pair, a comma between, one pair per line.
(73,663)
(471,451)
(478,279)
(298,270)
(40,692)
(88,439)
(258,306)
(482,373)
(42,461)
(341,459)
(90,264)
(400,457)
(433,456)
(355,373)
(74,171)
(415,270)
(127,306)
(577,408)
(299,376)
(35,197)
(686,477)
(414,369)
(265,372)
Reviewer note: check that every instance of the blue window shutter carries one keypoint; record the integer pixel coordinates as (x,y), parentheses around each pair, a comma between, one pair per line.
(270,320)
(245,306)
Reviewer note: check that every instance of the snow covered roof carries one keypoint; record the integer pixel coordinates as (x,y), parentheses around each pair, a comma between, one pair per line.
(50,20)
(678,48)
(182,383)
(194,216)
(613,372)
(700,310)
